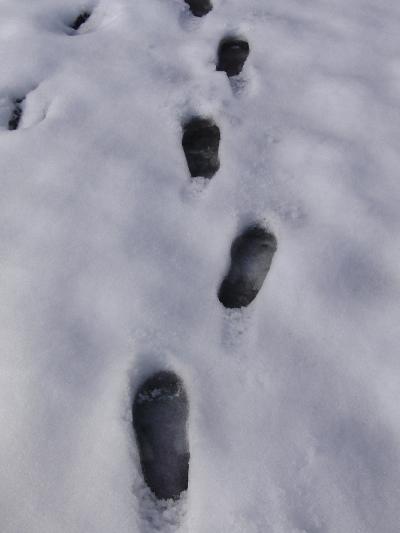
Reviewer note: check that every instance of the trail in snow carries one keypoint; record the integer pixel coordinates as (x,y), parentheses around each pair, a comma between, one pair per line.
(160,406)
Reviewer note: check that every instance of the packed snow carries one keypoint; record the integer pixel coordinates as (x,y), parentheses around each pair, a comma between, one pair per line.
(112,256)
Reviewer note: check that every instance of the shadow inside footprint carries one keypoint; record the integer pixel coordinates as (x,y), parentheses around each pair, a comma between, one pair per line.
(232,55)
(200,144)
(251,258)
(199,8)
(80,20)
(160,412)
(16,114)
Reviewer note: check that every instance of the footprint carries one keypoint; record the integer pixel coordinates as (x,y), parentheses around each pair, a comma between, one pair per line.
(160,412)
(232,55)
(80,20)
(199,8)
(251,258)
(200,144)
(16,114)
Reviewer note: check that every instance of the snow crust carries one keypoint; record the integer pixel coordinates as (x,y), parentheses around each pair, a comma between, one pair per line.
(111,259)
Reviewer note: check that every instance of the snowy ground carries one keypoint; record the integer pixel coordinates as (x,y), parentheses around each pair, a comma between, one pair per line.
(111,259)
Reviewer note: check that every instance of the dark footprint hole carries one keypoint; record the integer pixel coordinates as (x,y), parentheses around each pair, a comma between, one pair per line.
(199,8)
(80,20)
(16,114)
(160,412)
(200,142)
(251,258)
(232,55)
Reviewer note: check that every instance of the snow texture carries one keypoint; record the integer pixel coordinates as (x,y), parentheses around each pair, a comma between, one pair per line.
(111,259)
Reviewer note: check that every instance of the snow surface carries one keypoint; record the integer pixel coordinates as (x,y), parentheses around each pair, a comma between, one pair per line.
(111,259)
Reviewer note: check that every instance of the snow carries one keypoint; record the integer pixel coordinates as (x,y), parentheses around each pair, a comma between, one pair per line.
(111,259)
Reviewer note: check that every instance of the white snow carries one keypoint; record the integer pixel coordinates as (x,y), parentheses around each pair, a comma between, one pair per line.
(111,259)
